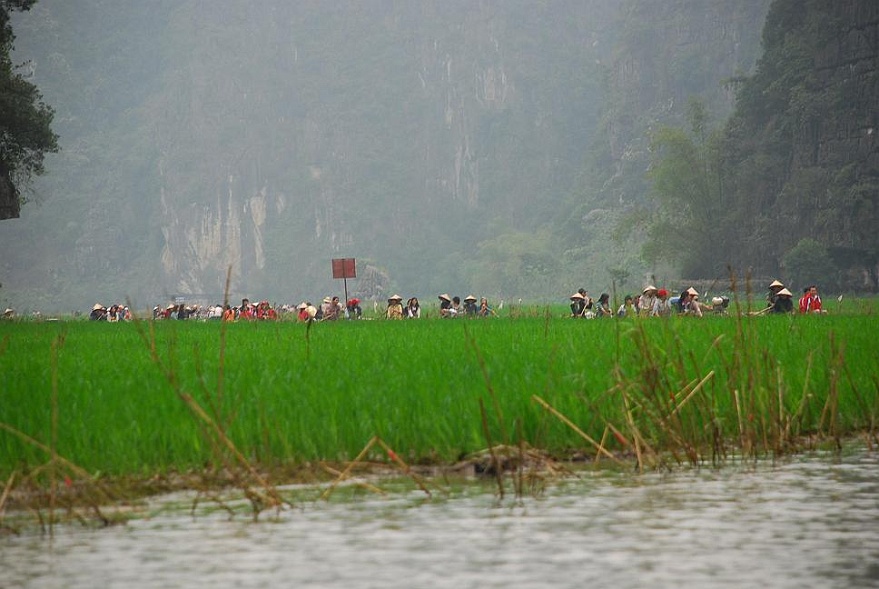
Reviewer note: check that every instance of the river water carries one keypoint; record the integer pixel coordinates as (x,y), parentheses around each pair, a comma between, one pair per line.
(812,521)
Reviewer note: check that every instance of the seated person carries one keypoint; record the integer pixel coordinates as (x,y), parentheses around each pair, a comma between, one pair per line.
(355,311)
(783,302)
(578,304)
(395,307)
(446,310)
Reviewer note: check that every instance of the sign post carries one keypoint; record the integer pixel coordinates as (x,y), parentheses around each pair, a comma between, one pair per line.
(344,268)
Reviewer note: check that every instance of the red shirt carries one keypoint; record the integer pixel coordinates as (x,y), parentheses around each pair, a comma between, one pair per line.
(810,303)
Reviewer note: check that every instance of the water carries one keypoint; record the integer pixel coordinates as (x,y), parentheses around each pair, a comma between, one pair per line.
(811,522)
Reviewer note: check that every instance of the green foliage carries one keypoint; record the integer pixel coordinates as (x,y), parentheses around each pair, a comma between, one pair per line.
(513,263)
(25,123)
(687,222)
(810,263)
(794,161)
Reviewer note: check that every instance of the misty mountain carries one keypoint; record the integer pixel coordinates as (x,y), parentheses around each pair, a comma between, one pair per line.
(447,145)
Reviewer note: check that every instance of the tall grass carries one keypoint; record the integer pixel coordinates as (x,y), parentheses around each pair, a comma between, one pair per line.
(686,390)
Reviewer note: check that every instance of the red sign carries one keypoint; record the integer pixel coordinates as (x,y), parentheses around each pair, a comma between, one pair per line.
(344,268)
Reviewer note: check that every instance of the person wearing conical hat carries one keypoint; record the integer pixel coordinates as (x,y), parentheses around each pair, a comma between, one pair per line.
(784,302)
(99,313)
(693,306)
(395,307)
(647,301)
(445,309)
(470,307)
(774,287)
(578,304)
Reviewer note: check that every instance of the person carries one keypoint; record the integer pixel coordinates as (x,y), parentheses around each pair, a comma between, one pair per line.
(470,308)
(661,308)
(245,311)
(228,313)
(578,304)
(445,309)
(678,303)
(783,302)
(803,303)
(302,312)
(266,312)
(353,309)
(456,305)
(332,309)
(9,313)
(602,306)
(312,311)
(484,309)
(774,287)
(325,309)
(395,307)
(811,300)
(647,301)
(627,309)
(587,303)
(693,306)
(413,308)
(99,313)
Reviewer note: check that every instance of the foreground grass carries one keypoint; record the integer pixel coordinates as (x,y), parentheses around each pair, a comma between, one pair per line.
(285,394)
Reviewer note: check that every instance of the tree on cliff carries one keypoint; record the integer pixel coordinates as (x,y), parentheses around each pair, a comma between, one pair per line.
(687,221)
(802,158)
(25,121)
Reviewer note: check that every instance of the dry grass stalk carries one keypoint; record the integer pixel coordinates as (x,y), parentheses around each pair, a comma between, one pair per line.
(395,458)
(255,487)
(599,448)
(494,461)
(340,477)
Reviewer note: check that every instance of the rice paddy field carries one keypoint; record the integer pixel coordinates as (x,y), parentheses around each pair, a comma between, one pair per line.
(142,398)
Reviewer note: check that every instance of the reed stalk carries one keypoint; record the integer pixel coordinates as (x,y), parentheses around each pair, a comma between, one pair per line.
(494,460)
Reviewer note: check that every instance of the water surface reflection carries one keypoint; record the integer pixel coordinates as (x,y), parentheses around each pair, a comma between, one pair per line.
(811,522)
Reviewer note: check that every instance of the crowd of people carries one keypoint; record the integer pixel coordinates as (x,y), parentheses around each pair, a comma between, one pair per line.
(651,302)
(659,302)
(451,307)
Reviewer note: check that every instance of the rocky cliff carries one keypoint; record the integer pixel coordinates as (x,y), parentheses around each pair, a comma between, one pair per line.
(805,161)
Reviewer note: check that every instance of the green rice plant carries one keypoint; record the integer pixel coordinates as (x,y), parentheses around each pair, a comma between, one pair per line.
(666,391)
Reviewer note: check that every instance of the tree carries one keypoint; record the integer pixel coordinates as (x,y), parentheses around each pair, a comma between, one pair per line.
(25,123)
(810,263)
(686,224)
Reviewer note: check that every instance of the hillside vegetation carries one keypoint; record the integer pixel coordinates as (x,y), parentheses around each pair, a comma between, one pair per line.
(494,147)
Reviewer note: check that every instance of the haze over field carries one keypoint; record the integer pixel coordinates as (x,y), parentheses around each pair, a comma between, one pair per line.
(507,148)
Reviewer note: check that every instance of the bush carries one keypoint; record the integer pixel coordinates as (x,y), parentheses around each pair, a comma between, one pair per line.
(809,263)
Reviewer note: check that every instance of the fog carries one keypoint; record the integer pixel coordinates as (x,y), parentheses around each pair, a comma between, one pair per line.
(448,146)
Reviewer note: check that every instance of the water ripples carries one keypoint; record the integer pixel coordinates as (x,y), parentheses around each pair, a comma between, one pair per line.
(810,522)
